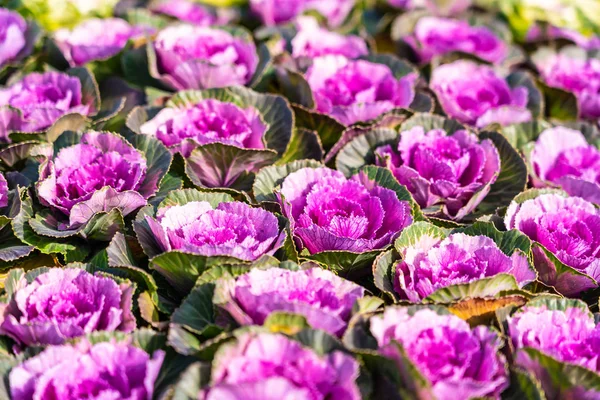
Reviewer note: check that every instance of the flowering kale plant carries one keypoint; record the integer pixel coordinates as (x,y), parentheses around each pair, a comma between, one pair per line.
(299,199)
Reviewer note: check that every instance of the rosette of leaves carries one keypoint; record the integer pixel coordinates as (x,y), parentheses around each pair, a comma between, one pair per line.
(477,300)
(25,150)
(346,379)
(293,84)
(503,52)
(567,265)
(212,307)
(140,64)
(395,346)
(550,358)
(510,180)
(191,232)
(32,36)
(221,162)
(83,225)
(351,264)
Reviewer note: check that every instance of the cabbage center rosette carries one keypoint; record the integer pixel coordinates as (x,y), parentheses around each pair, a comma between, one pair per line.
(352,91)
(434,37)
(195,57)
(476,95)
(205,228)
(567,232)
(38,100)
(453,171)
(562,157)
(96,175)
(226,135)
(551,336)
(433,260)
(95,39)
(61,304)
(271,366)
(329,212)
(323,298)
(84,370)
(455,359)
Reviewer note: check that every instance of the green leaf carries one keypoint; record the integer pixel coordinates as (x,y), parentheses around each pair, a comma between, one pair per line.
(512,178)
(135,64)
(184,196)
(270,178)
(556,303)
(196,313)
(350,265)
(486,287)
(68,122)
(328,129)
(286,323)
(103,226)
(508,242)
(360,151)
(560,104)
(293,86)
(182,269)
(169,183)
(383,272)
(319,341)
(140,115)
(264,62)
(432,121)
(220,165)
(304,145)
(518,135)
(415,233)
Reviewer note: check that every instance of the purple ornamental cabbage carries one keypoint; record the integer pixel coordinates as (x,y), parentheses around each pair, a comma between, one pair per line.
(268,366)
(325,299)
(581,77)
(454,171)
(186,11)
(194,57)
(460,362)
(231,229)
(312,41)
(275,12)
(562,157)
(209,121)
(568,227)
(355,91)
(433,264)
(438,36)
(95,39)
(476,95)
(569,336)
(13,37)
(105,370)
(38,100)
(65,303)
(3,191)
(329,212)
(100,173)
